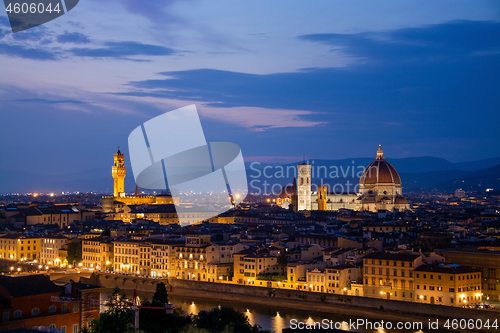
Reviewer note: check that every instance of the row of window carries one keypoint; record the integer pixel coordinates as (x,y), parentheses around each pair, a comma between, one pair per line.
(394,263)
(395,283)
(36,311)
(388,271)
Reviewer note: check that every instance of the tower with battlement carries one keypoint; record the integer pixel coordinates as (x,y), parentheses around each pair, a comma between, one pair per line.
(118,172)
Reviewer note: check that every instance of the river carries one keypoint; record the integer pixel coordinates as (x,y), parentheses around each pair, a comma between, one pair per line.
(276,318)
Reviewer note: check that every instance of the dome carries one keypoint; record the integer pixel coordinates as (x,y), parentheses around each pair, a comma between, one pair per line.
(380,171)
(285,191)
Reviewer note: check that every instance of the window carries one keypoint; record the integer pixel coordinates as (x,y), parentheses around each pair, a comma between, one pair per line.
(35,311)
(63,328)
(52,325)
(52,309)
(75,328)
(5,317)
(18,314)
(90,319)
(64,308)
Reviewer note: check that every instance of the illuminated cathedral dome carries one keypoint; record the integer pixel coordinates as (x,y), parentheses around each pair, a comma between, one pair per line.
(380,186)
(380,171)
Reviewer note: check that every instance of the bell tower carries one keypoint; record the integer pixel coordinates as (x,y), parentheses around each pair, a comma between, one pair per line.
(303,187)
(118,172)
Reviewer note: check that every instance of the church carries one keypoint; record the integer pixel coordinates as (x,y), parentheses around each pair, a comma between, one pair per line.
(379,189)
(120,198)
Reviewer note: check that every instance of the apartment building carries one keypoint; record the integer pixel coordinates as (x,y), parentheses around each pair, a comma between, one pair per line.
(315,280)
(163,261)
(390,275)
(190,259)
(126,255)
(339,277)
(248,265)
(450,284)
(97,253)
(20,247)
(49,250)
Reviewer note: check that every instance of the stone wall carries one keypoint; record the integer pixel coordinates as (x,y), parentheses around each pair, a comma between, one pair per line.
(125,282)
(430,310)
(411,308)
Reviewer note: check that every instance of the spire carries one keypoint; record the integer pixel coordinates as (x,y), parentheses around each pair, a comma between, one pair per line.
(380,153)
(118,152)
(137,191)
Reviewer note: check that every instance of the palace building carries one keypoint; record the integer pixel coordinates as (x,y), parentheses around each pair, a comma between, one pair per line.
(379,189)
(120,198)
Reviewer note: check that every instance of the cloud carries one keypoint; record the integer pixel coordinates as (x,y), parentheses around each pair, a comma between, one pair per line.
(260,119)
(123,49)
(429,78)
(47,101)
(429,43)
(21,51)
(156,11)
(73,37)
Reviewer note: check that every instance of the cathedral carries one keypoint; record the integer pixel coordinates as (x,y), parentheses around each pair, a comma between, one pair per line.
(119,198)
(379,189)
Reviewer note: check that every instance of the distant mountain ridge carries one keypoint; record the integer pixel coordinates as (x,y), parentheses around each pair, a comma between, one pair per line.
(424,173)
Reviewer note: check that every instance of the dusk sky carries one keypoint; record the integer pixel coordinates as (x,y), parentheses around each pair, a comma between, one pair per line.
(329,79)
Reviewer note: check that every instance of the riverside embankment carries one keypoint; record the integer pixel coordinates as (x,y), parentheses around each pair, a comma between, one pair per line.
(354,306)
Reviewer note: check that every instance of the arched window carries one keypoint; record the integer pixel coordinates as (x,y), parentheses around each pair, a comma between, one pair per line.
(52,325)
(18,314)
(35,311)
(90,319)
(52,308)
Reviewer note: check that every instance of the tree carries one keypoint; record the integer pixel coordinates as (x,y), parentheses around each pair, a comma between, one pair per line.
(118,317)
(282,260)
(157,320)
(160,298)
(74,251)
(224,320)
